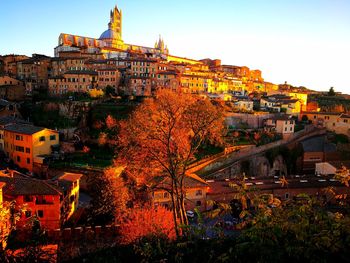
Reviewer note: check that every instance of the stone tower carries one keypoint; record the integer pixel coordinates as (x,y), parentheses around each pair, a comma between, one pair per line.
(115,23)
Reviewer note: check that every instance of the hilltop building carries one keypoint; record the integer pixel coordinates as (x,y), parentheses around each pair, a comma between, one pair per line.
(110,44)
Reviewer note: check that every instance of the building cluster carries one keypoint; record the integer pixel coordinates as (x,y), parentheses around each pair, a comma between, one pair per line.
(81,64)
(52,202)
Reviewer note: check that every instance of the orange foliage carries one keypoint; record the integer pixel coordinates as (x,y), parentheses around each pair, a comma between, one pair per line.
(110,122)
(148,221)
(102,139)
(161,137)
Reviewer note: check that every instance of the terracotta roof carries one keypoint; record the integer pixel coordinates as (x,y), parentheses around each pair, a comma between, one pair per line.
(81,72)
(190,181)
(10,120)
(339,164)
(68,58)
(107,69)
(71,177)
(318,144)
(20,185)
(282,118)
(287,100)
(345,116)
(321,113)
(23,128)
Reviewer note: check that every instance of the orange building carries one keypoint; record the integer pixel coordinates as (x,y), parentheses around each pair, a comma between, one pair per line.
(108,77)
(167,80)
(139,86)
(10,63)
(53,202)
(11,88)
(34,72)
(74,81)
(27,145)
(61,65)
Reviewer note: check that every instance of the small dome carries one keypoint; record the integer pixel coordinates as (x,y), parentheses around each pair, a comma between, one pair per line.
(109,34)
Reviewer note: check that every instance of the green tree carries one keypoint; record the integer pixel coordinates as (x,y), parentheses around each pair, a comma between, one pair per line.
(331,92)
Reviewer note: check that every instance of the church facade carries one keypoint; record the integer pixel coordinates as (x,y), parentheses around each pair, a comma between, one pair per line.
(110,44)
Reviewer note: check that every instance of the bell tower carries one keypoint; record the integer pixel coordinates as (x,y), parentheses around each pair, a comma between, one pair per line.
(115,23)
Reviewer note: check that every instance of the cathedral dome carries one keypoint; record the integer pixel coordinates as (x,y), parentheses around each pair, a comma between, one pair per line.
(110,34)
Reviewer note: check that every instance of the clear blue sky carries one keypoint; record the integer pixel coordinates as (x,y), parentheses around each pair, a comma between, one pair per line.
(304,42)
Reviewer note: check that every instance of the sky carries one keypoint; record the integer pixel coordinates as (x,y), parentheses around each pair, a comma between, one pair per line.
(303,42)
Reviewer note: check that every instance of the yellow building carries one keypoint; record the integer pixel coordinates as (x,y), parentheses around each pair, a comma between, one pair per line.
(332,121)
(172,58)
(196,193)
(27,145)
(291,106)
(73,180)
(300,96)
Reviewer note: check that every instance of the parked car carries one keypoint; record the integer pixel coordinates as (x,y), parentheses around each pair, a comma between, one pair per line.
(190,214)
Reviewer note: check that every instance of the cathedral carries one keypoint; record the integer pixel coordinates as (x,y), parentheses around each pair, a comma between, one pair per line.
(110,44)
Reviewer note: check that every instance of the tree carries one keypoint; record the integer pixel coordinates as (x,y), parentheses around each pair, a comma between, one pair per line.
(331,92)
(147,221)
(161,137)
(109,90)
(110,122)
(109,197)
(96,93)
(305,118)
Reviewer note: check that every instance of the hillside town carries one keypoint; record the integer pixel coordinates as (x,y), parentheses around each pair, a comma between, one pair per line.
(61,131)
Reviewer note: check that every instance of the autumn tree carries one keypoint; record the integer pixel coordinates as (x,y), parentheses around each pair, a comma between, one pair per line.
(109,197)
(147,221)
(161,137)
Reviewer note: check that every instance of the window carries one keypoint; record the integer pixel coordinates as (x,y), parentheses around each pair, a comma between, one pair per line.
(40,213)
(28,214)
(28,160)
(199,192)
(19,137)
(198,203)
(42,138)
(27,150)
(18,159)
(19,149)
(166,195)
(286,196)
(52,137)
(28,198)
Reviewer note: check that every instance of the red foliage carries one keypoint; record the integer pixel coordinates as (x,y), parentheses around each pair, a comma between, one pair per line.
(148,221)
(110,122)
(257,136)
(86,149)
